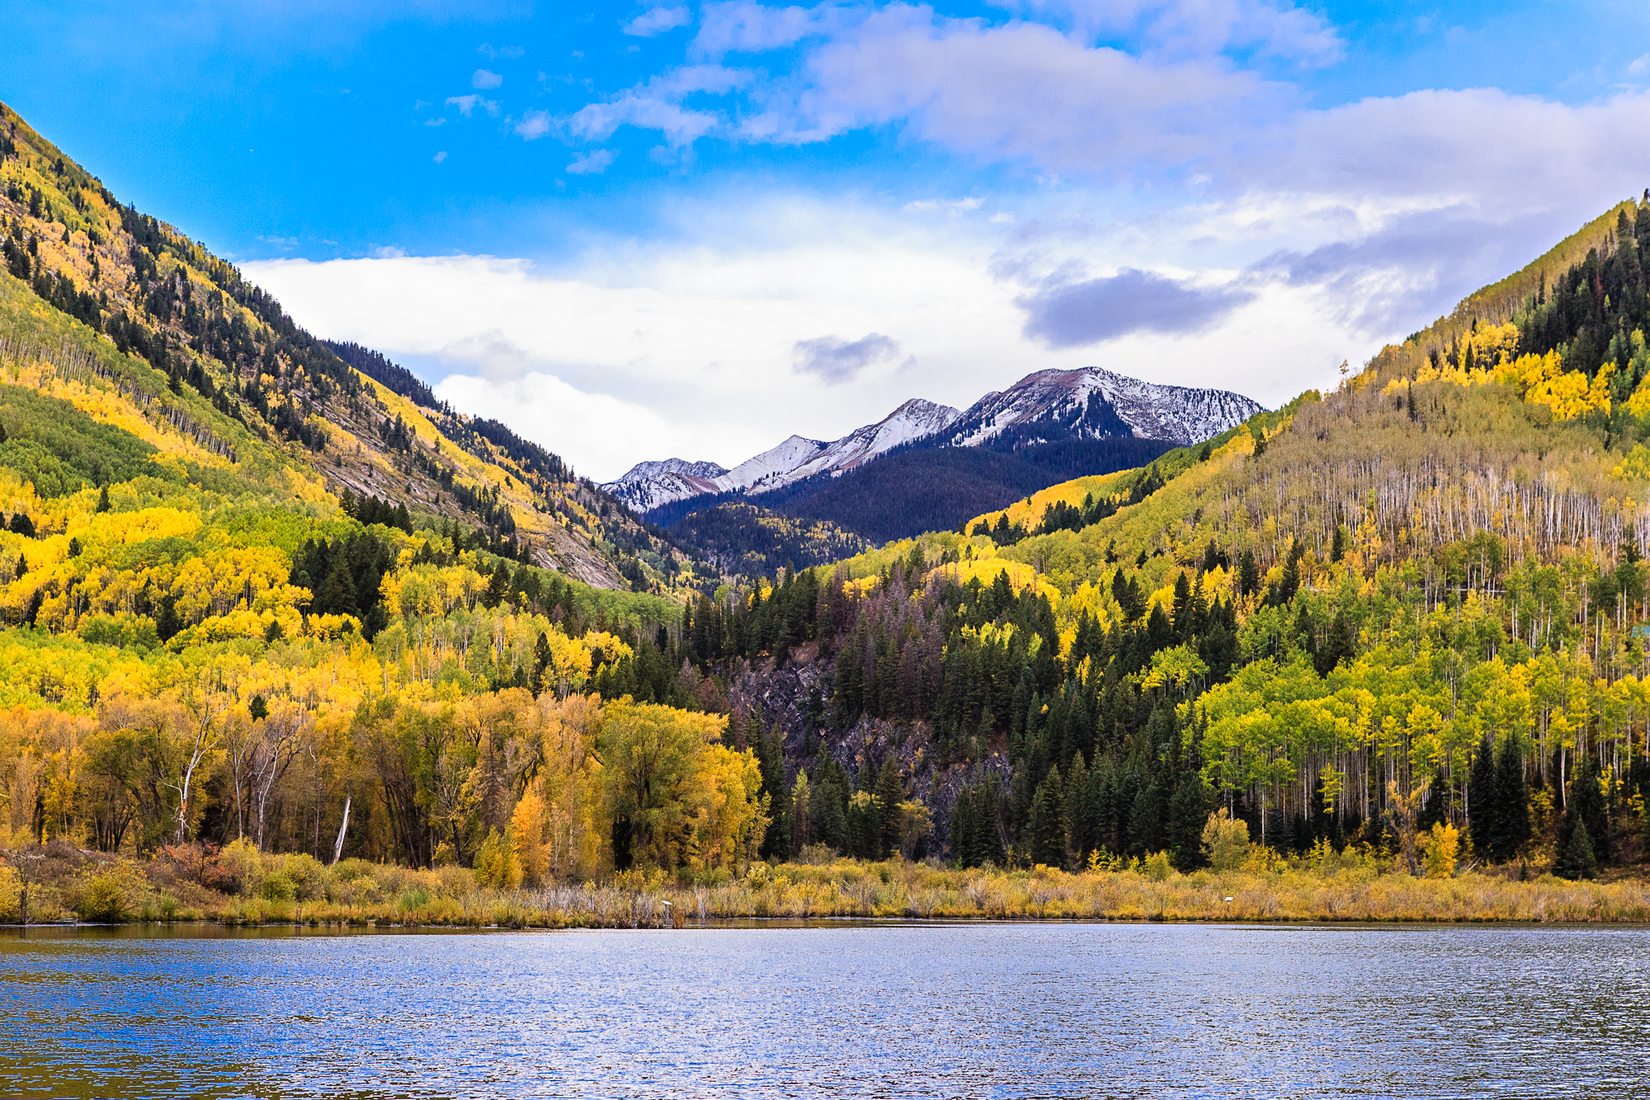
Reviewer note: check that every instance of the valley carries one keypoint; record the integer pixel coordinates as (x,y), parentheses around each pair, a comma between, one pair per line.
(277,619)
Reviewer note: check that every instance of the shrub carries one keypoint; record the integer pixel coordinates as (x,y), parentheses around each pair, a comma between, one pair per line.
(306,874)
(110,895)
(1262,859)
(1157,867)
(277,886)
(496,862)
(1225,841)
(239,865)
(1439,849)
(11,895)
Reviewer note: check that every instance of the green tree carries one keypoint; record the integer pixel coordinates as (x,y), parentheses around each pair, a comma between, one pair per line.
(1046,825)
(1576,858)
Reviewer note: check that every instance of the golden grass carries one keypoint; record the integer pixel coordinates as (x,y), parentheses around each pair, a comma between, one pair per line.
(358,893)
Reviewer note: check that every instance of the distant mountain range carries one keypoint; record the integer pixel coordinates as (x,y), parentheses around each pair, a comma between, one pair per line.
(650,485)
(1048,425)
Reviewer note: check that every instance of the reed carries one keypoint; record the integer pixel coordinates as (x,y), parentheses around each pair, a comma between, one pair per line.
(267,889)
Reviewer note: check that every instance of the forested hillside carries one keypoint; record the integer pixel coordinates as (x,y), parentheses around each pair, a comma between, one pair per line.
(256,589)
(124,316)
(256,586)
(1417,602)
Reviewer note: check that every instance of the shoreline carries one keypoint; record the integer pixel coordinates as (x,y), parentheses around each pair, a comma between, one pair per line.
(208,927)
(283,892)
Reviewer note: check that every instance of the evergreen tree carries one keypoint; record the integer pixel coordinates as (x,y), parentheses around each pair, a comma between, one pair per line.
(889,793)
(1485,815)
(1513,801)
(1586,805)
(336,595)
(770,759)
(1046,825)
(1339,645)
(1189,808)
(1576,858)
(167,622)
(976,839)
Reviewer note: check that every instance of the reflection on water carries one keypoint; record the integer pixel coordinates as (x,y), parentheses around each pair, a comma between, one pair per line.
(1070,1010)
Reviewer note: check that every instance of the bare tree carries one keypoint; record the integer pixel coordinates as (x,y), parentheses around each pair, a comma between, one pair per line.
(279,740)
(205,711)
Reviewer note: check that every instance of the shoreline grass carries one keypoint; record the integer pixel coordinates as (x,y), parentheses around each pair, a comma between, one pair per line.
(66,886)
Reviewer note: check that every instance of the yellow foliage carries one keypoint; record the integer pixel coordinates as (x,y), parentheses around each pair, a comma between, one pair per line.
(1438,850)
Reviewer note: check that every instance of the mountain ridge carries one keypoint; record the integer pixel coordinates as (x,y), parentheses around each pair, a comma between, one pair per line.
(1084,403)
(185,324)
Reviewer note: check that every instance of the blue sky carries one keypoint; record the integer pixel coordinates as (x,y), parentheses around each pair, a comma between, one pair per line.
(674,227)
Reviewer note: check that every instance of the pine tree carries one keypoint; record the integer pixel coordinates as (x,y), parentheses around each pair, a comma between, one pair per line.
(543,663)
(1513,800)
(889,793)
(1339,644)
(167,622)
(1576,858)
(770,758)
(1485,815)
(337,596)
(1184,626)
(1046,825)
(1586,805)
(1189,808)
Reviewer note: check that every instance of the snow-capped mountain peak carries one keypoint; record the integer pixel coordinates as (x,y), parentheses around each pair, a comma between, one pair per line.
(1091,403)
(647,485)
(914,420)
(1047,406)
(650,485)
(768,469)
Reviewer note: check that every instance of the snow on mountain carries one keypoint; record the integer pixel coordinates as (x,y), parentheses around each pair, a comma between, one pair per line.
(1088,404)
(649,485)
(1049,405)
(769,469)
(914,420)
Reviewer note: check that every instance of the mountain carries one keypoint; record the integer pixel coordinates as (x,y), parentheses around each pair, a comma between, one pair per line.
(928,466)
(147,329)
(258,592)
(651,485)
(1383,623)
(1049,406)
(1093,403)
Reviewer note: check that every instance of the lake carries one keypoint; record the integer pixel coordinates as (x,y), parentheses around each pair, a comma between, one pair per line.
(984,1010)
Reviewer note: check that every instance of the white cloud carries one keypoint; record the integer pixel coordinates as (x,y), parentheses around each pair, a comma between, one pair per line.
(469,104)
(1022,91)
(593,163)
(533,125)
(694,345)
(658,105)
(440,157)
(1497,151)
(598,429)
(659,20)
(1189,103)
(742,26)
(950,207)
(484,79)
(1200,27)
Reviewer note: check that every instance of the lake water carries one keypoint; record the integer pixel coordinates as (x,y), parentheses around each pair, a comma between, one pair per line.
(1004,1010)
